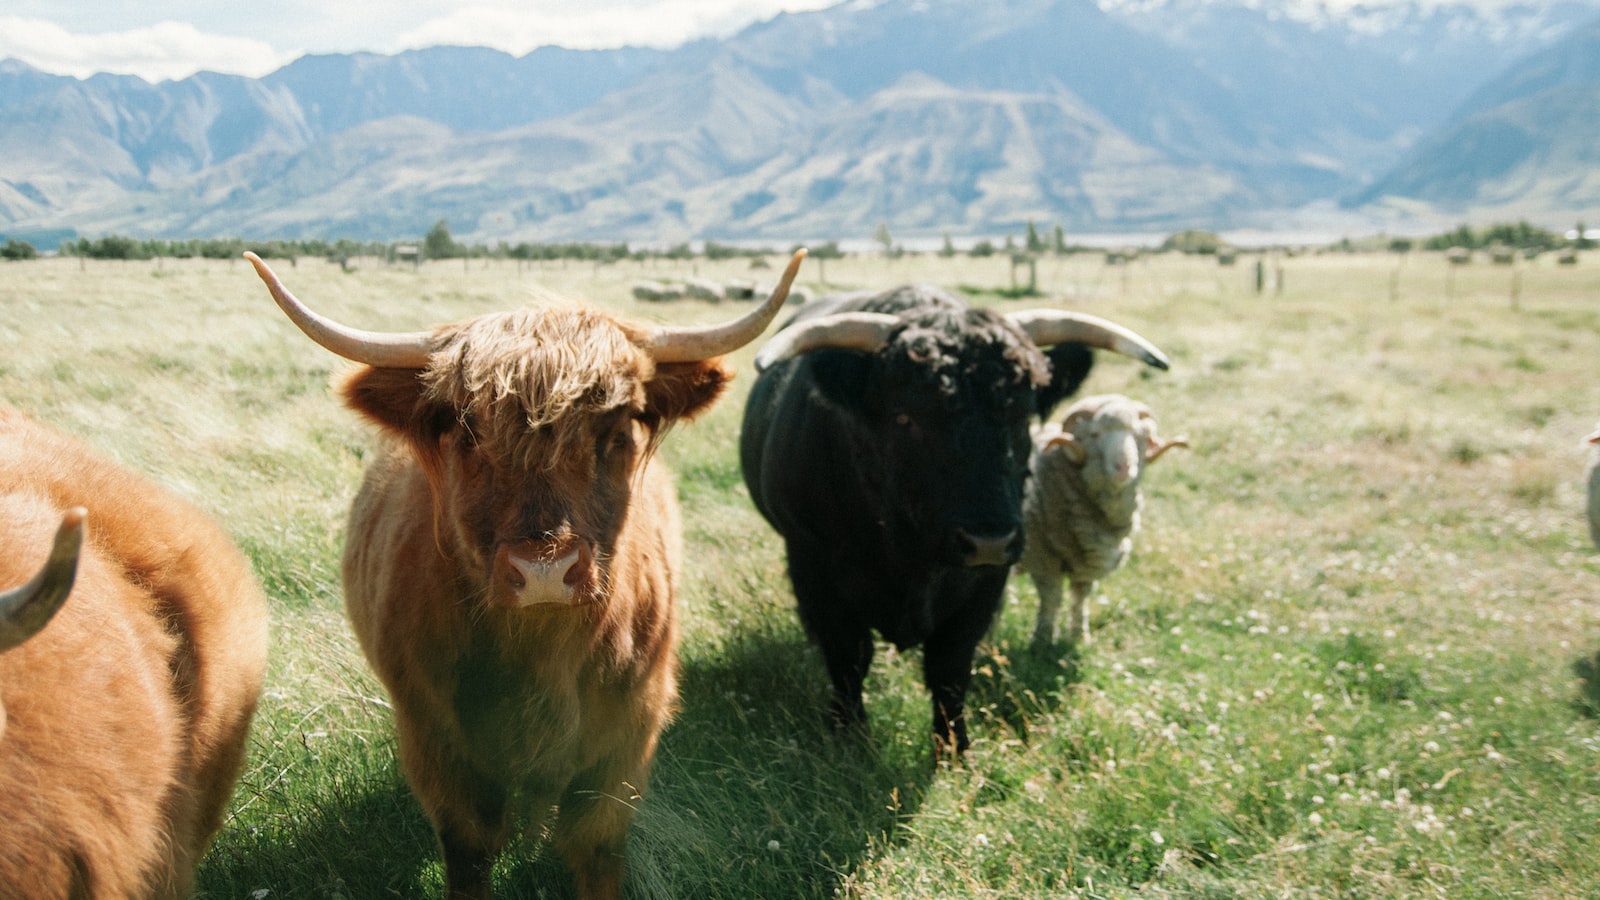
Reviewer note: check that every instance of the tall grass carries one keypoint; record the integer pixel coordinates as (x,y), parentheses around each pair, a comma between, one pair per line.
(1348,657)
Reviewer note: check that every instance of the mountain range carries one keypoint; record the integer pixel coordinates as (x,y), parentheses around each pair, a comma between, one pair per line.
(928,116)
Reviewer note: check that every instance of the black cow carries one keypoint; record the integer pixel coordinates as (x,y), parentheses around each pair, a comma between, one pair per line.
(886,439)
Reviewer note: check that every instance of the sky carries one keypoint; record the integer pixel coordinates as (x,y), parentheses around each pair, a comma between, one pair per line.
(172,39)
(159,40)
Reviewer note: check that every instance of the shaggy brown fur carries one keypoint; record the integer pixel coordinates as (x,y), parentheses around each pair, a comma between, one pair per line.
(528,438)
(127,715)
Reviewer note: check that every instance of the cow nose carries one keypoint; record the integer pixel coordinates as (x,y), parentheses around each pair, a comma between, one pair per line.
(533,573)
(988,549)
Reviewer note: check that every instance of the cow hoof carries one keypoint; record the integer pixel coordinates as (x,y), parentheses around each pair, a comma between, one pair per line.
(949,752)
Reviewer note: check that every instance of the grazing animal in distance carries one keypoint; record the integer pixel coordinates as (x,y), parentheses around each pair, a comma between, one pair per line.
(126,705)
(1081,510)
(511,563)
(886,440)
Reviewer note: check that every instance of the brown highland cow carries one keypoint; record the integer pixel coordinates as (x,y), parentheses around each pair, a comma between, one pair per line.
(511,563)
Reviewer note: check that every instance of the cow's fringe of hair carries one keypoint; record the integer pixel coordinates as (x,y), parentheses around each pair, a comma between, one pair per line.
(525,371)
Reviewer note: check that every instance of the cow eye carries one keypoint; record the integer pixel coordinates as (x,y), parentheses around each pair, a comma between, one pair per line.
(467,428)
(618,441)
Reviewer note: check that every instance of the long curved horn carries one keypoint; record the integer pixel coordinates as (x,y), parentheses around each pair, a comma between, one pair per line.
(864,331)
(378,349)
(697,343)
(25,610)
(1058,326)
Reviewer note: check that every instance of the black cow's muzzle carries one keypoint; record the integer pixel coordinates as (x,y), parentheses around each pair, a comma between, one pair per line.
(998,548)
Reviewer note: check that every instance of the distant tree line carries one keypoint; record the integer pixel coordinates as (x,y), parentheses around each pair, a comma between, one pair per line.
(439,244)
(15,249)
(1520,235)
(115,246)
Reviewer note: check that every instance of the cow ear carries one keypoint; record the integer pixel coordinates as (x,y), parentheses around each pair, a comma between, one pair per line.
(1069,367)
(684,390)
(841,375)
(394,399)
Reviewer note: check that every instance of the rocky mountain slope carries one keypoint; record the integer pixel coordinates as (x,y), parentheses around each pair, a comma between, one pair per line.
(927,115)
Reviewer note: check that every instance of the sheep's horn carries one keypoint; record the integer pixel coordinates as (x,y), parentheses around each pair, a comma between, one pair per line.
(1159,447)
(378,349)
(1058,326)
(1068,445)
(697,343)
(25,610)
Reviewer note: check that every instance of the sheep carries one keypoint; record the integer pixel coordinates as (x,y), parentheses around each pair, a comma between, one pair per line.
(1081,508)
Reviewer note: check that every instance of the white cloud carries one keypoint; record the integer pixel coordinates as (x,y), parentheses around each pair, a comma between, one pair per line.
(166,50)
(520,27)
(187,36)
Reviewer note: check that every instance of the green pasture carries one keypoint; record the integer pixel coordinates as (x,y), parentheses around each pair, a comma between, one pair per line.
(1347,659)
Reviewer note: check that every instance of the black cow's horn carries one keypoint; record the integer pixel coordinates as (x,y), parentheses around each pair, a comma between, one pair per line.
(27,609)
(694,344)
(374,348)
(864,331)
(1058,326)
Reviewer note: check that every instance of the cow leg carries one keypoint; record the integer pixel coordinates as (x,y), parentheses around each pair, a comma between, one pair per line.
(467,865)
(1045,631)
(848,658)
(947,665)
(591,833)
(845,642)
(1078,628)
(468,812)
(471,836)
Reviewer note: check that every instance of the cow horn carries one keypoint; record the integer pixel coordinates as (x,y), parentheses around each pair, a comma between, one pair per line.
(378,349)
(25,610)
(1058,326)
(694,344)
(863,331)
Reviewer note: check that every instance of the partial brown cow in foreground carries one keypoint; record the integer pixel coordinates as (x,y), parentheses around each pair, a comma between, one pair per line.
(123,718)
(511,563)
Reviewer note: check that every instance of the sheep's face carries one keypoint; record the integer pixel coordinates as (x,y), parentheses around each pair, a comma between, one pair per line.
(1115,440)
(1112,439)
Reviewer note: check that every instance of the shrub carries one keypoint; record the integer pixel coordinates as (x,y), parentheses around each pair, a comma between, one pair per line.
(15,249)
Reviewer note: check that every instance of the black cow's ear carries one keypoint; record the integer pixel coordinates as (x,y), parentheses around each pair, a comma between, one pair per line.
(1069,366)
(841,375)
(684,390)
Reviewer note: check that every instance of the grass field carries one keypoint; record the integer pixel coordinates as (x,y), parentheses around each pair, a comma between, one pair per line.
(1346,659)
